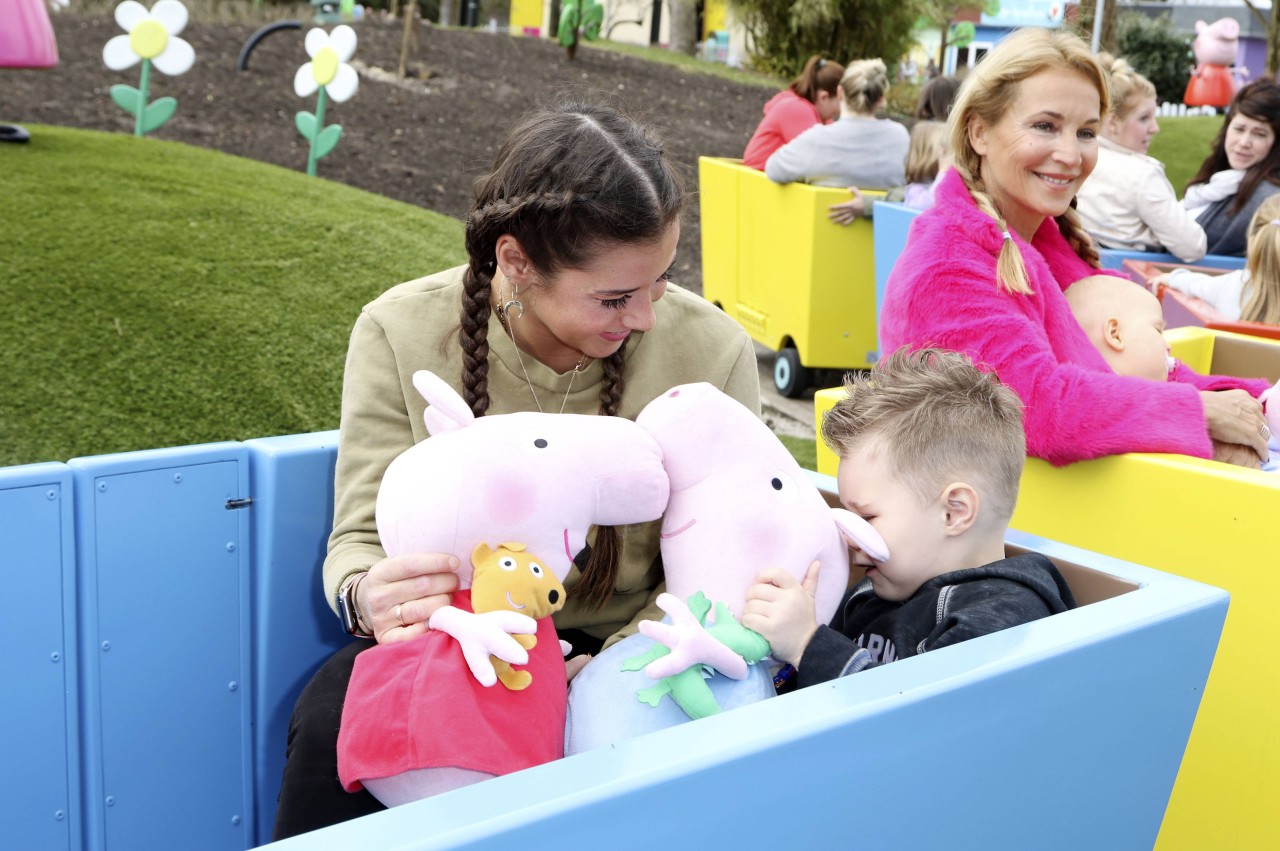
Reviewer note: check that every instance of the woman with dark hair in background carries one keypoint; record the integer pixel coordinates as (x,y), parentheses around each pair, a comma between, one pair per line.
(1242,171)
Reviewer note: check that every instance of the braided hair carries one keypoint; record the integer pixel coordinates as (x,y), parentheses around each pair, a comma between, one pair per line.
(568,181)
(987,93)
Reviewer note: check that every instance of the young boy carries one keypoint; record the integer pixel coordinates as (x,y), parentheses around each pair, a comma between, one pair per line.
(931,453)
(1125,324)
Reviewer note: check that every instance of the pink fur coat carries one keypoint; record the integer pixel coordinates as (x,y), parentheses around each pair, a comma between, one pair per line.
(943,292)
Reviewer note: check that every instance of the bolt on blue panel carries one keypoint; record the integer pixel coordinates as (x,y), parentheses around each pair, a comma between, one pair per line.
(294,628)
(39,750)
(165,647)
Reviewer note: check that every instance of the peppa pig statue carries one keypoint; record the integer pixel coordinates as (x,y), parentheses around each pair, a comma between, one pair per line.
(1215,48)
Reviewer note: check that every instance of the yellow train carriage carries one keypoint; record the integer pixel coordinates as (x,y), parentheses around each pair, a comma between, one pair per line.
(797,282)
(1205,521)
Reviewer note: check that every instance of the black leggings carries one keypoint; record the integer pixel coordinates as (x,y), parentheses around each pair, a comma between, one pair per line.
(310,795)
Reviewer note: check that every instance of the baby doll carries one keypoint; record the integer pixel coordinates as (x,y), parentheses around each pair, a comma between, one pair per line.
(1124,322)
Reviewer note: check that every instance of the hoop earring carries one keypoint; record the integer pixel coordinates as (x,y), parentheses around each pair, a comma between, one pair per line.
(513,305)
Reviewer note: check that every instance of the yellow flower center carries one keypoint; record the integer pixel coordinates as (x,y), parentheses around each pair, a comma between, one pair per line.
(324,65)
(149,38)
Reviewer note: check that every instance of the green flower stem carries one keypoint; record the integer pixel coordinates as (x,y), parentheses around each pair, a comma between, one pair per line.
(311,153)
(142,97)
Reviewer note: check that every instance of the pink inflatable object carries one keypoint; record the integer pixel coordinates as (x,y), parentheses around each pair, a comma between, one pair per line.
(1216,48)
(26,37)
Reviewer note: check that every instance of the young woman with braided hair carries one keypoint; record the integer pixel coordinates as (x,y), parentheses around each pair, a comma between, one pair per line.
(984,270)
(566,307)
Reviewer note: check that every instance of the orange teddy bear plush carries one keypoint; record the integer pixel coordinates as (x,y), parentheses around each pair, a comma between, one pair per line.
(510,578)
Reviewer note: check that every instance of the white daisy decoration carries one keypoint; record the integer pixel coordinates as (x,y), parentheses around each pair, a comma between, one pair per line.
(329,73)
(328,68)
(152,39)
(151,36)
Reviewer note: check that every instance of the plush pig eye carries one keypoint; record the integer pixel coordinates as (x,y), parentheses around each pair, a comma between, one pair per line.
(785,486)
(535,569)
(541,443)
(507,563)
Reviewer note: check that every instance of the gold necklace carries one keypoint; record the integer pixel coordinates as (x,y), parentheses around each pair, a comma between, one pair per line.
(577,367)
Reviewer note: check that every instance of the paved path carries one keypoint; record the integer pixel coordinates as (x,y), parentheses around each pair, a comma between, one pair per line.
(792,417)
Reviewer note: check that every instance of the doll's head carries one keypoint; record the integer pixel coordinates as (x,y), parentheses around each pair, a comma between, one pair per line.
(1124,322)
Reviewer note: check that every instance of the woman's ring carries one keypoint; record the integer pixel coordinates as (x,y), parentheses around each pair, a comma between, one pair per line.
(1265,431)
(398,615)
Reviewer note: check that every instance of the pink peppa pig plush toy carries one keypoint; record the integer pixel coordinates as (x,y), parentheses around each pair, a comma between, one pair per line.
(739,503)
(421,716)
(1215,48)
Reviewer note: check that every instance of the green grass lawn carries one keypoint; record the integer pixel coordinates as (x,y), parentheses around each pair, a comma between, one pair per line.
(1182,144)
(158,294)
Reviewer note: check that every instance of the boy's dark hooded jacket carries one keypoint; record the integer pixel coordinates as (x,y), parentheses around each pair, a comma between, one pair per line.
(868,631)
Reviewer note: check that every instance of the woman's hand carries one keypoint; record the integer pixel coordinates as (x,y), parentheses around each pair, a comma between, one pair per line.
(1234,453)
(848,212)
(401,593)
(574,665)
(1235,417)
(1158,281)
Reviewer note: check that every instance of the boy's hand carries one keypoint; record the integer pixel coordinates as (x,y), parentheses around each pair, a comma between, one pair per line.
(848,212)
(783,611)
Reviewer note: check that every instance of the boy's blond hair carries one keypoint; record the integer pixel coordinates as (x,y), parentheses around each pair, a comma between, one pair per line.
(1262,292)
(938,419)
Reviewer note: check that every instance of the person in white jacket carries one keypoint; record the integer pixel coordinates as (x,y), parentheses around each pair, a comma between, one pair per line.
(1127,202)
(1251,293)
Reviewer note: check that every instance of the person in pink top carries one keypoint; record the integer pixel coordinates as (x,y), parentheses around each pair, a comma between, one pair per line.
(984,271)
(812,98)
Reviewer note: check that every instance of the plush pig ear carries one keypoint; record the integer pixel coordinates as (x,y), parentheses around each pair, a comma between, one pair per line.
(858,533)
(445,408)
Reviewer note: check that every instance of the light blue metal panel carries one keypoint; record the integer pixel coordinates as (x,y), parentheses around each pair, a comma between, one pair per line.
(165,648)
(1112,258)
(39,752)
(295,630)
(1065,733)
(891,223)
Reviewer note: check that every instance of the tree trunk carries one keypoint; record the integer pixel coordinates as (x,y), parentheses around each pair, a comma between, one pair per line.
(683,33)
(446,13)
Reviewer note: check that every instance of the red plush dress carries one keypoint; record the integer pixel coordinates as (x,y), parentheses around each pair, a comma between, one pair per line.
(414,704)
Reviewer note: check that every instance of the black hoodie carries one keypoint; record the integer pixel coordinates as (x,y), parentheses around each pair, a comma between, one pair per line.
(868,631)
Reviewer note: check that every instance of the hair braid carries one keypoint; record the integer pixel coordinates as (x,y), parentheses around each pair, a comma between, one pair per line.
(474,338)
(1011,271)
(600,573)
(611,386)
(1077,237)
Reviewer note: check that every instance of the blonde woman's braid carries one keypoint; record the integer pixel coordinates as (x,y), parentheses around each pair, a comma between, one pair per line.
(1011,271)
(1078,238)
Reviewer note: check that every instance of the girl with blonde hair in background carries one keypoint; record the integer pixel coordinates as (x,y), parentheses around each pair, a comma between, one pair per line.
(1128,203)
(1252,293)
(927,159)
